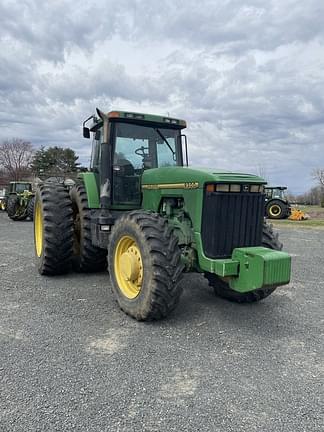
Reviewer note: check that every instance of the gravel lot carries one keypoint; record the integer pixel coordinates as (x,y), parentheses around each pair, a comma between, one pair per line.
(71,360)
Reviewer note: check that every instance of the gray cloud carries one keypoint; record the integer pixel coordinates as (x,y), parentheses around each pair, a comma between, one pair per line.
(246,75)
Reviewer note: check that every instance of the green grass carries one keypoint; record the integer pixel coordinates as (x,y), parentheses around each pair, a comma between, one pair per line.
(310,223)
(311,209)
(316,214)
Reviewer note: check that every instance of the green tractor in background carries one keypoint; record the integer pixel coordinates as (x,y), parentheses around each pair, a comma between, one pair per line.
(156,218)
(277,204)
(20,200)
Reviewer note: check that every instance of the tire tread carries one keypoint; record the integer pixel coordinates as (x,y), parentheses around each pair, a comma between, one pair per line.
(58,229)
(166,265)
(91,258)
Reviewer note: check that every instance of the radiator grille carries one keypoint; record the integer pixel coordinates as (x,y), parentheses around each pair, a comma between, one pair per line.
(231,220)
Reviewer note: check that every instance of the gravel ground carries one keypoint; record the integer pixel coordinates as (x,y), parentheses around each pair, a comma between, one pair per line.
(71,360)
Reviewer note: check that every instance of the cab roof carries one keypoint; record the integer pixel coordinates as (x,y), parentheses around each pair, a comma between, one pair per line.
(276,187)
(147,117)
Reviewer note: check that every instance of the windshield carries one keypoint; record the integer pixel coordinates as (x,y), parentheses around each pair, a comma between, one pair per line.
(279,193)
(21,187)
(276,193)
(146,147)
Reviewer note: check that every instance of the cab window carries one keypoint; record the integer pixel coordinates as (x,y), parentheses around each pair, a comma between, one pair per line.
(136,149)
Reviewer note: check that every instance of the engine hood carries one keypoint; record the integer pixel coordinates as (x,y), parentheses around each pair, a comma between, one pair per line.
(174,175)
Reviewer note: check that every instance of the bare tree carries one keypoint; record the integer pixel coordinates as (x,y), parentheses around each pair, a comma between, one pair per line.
(261,171)
(318,174)
(15,157)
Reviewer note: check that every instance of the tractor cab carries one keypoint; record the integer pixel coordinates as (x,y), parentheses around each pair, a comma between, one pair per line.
(19,187)
(278,192)
(132,143)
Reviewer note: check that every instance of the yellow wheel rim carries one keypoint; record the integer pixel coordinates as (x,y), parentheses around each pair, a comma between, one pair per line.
(128,267)
(275,210)
(38,227)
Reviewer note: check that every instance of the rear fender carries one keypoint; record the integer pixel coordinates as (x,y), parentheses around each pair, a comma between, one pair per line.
(90,184)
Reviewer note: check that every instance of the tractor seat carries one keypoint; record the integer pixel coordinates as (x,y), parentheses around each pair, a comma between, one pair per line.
(125,167)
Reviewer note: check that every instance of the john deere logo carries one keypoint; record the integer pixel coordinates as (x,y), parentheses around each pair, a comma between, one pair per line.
(246,188)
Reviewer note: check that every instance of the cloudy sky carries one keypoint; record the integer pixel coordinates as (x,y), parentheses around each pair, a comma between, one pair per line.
(248,76)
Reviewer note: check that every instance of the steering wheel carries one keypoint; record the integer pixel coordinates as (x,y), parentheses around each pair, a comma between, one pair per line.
(141,151)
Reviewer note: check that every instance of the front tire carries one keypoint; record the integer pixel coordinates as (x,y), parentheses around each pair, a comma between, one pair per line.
(144,265)
(222,289)
(86,256)
(53,229)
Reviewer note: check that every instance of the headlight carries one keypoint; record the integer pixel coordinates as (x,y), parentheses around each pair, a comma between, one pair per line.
(235,188)
(222,188)
(255,188)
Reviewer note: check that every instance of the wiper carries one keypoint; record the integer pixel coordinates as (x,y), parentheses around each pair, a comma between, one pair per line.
(166,142)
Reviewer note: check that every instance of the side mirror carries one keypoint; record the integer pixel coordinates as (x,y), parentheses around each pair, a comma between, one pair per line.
(86,132)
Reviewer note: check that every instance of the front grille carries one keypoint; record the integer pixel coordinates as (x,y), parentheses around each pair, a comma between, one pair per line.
(231,220)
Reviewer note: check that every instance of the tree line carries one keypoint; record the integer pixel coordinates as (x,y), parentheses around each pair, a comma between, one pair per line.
(315,195)
(20,160)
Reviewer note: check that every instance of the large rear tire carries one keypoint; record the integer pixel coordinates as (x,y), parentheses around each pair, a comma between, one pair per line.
(30,208)
(144,265)
(53,229)
(277,209)
(86,256)
(222,289)
(13,202)
(14,210)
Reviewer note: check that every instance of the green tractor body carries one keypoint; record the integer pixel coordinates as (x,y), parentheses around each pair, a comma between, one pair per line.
(277,204)
(157,218)
(20,200)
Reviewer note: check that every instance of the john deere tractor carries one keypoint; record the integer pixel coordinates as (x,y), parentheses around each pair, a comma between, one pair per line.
(277,204)
(155,218)
(20,201)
